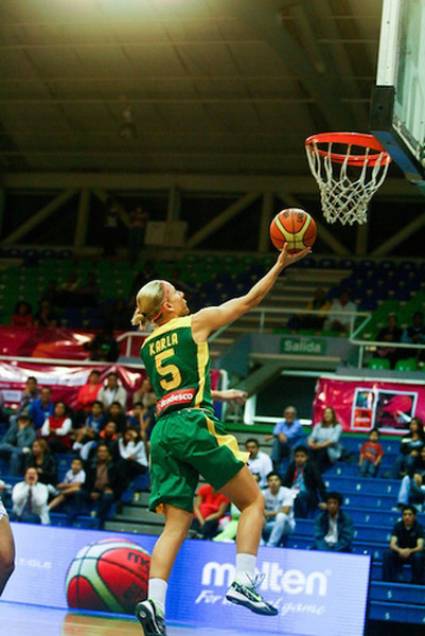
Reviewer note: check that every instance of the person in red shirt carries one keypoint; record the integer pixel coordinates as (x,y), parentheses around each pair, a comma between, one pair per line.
(88,392)
(209,507)
(57,428)
(371,454)
(22,316)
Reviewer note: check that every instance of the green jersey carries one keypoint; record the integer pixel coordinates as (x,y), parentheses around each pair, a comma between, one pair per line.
(178,367)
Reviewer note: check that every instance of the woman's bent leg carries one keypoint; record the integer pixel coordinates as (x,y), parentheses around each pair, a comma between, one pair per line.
(244,492)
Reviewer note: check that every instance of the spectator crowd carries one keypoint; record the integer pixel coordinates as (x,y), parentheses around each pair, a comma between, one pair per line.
(106,440)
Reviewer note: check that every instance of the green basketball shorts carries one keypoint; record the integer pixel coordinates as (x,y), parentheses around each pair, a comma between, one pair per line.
(185,444)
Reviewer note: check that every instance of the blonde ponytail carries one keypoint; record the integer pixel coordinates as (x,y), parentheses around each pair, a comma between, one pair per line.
(148,303)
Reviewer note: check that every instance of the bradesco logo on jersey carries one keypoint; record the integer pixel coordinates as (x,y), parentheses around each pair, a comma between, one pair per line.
(286,588)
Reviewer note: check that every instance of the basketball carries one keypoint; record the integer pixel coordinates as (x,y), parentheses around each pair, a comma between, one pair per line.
(295,227)
(110,575)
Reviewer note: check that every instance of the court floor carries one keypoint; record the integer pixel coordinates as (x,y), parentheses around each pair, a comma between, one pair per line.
(29,620)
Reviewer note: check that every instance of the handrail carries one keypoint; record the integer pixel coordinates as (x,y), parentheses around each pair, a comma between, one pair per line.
(69,362)
(295,311)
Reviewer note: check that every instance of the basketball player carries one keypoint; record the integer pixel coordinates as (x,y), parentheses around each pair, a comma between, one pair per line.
(189,441)
(7,549)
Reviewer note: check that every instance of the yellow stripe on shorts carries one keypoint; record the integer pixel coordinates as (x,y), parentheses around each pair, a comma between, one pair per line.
(227,440)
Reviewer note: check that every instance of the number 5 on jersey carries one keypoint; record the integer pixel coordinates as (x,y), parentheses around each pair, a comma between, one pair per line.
(174,377)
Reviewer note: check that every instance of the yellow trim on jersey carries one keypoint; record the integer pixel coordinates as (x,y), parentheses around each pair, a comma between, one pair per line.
(202,358)
(227,440)
(174,323)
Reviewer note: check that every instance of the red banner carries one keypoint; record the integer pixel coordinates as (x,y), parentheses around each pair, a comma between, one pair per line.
(364,404)
(64,381)
(65,344)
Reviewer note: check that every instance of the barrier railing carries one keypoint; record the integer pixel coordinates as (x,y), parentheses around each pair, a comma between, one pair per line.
(263,311)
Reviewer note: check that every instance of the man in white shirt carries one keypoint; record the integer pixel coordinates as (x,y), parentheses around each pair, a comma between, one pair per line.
(259,463)
(73,482)
(112,392)
(336,320)
(278,513)
(30,498)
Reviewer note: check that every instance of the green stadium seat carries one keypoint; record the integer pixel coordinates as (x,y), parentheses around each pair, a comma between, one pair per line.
(378,363)
(408,364)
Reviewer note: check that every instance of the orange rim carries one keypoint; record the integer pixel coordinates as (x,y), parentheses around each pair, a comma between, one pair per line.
(350,139)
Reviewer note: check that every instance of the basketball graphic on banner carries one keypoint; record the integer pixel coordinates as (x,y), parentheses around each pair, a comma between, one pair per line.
(110,575)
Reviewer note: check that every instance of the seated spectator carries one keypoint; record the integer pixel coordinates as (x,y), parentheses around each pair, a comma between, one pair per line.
(278,511)
(87,394)
(371,454)
(210,506)
(333,529)
(390,333)
(141,418)
(287,435)
(324,445)
(90,290)
(41,408)
(112,392)
(67,293)
(319,303)
(133,459)
(412,487)
(29,395)
(104,347)
(46,316)
(415,333)
(109,437)
(57,429)
(410,446)
(41,459)
(336,320)
(72,483)
(259,463)
(117,414)
(406,546)
(50,292)
(22,316)
(29,499)
(145,394)
(17,442)
(100,483)
(92,426)
(306,482)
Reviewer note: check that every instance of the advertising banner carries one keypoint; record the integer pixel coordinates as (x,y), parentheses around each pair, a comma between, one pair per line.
(364,404)
(64,381)
(109,572)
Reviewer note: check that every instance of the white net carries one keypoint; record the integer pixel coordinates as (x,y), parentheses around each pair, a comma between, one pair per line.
(346,190)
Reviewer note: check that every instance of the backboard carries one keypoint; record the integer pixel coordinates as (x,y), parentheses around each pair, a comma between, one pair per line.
(398,102)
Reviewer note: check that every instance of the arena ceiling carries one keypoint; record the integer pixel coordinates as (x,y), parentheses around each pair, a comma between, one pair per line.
(183,86)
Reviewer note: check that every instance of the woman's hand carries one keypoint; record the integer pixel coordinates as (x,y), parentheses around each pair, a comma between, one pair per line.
(285,259)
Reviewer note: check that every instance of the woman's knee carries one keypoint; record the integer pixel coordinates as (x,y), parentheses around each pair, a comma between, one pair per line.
(255,503)
(7,563)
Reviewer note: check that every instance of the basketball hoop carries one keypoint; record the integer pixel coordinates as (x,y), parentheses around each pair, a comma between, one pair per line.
(347,181)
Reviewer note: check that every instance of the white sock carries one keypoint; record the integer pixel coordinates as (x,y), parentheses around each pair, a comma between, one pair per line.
(245,568)
(157,593)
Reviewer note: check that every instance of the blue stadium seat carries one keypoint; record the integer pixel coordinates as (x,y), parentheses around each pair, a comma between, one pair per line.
(398,592)
(349,485)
